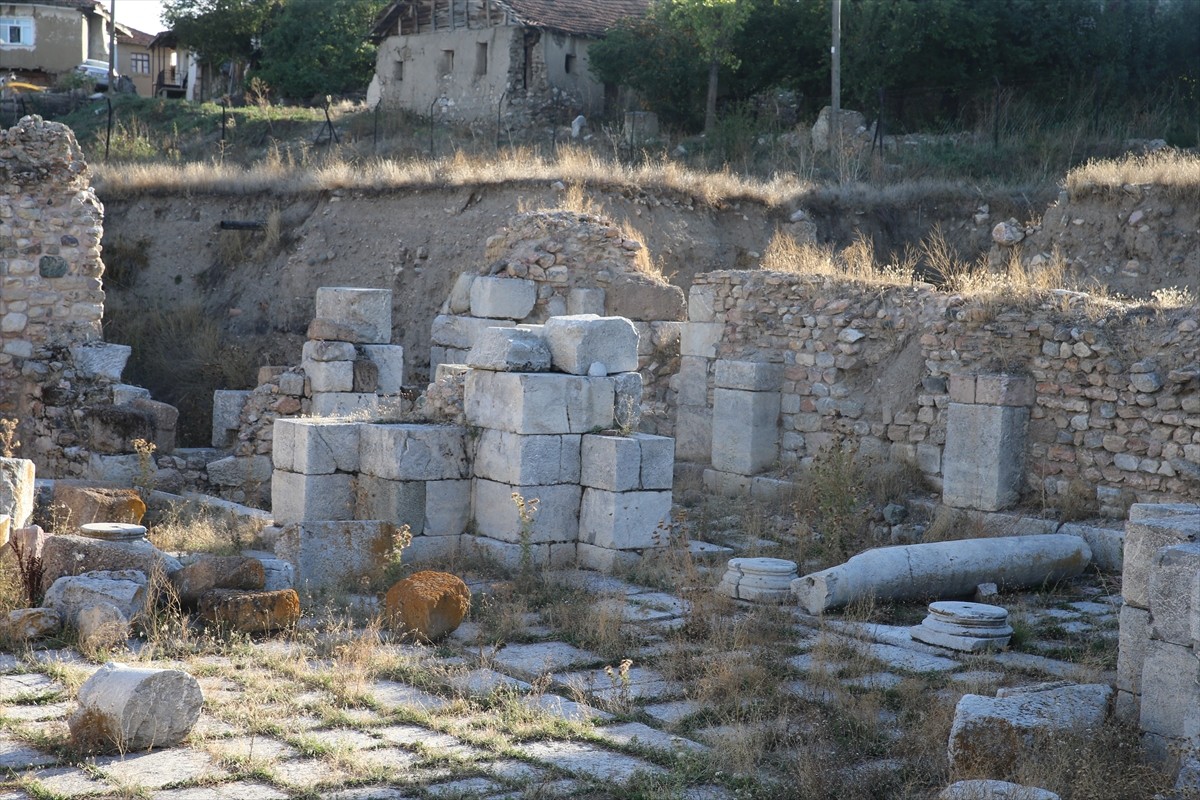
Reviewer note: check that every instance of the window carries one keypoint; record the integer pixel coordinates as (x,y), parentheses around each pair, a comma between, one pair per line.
(139,63)
(16,31)
(398,72)
(481,58)
(447,62)
(569,64)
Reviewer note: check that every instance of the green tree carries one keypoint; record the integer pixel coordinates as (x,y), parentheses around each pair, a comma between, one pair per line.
(319,47)
(713,25)
(220,30)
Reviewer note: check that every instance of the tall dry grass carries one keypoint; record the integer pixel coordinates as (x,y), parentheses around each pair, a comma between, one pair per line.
(1176,171)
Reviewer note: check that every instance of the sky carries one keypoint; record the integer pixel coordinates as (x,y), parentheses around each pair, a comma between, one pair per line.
(141,14)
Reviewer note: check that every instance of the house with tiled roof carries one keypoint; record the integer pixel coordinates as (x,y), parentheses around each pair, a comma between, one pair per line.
(134,58)
(524,61)
(42,40)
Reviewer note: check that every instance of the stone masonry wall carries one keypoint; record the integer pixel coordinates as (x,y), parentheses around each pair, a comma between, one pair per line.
(1117,397)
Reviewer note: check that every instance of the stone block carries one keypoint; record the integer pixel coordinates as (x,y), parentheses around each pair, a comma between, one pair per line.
(413,452)
(268,374)
(1141,511)
(1134,636)
(693,433)
(700,303)
(527,459)
(993,790)
(389,360)
(1004,390)
(626,463)
(745,433)
(502,298)
(100,360)
(700,339)
(584,300)
(1170,691)
(627,400)
(345,404)
(508,554)
(429,605)
(983,460)
(366,376)
(496,516)
(299,498)
(248,472)
(131,709)
(124,589)
(397,502)
(85,503)
(1172,593)
(250,611)
(123,393)
(426,549)
(658,460)
(210,572)
(446,357)
(315,446)
(1108,544)
(605,559)
(368,312)
(929,458)
(447,507)
(329,376)
(322,351)
(71,555)
(636,298)
(580,341)
(24,624)
(538,403)
(164,420)
(1143,539)
(291,383)
(990,734)
(227,413)
(962,389)
(461,332)
(691,382)
(751,376)
(510,350)
(459,300)
(727,484)
(625,520)
(332,555)
(17,481)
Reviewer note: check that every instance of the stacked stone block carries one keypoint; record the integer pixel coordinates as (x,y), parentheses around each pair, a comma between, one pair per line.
(1158,672)
(626,503)
(983,464)
(343,376)
(745,422)
(491,303)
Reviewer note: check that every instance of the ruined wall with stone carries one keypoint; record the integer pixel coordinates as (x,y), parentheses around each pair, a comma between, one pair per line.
(1115,402)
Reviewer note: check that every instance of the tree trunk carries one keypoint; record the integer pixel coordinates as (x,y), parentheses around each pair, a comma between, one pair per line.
(710,107)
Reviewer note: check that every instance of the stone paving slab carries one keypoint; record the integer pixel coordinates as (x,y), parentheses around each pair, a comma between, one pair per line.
(28,686)
(10,663)
(635,734)
(69,782)
(563,708)
(530,661)
(371,793)
(674,712)
(42,711)
(483,681)
(15,754)
(391,694)
(160,768)
(427,740)
(467,787)
(390,758)
(251,747)
(589,760)
(343,739)
(306,773)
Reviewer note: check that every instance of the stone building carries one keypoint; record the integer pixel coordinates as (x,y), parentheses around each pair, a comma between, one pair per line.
(40,41)
(524,59)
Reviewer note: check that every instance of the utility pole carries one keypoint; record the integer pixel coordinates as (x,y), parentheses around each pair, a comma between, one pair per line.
(112,47)
(835,127)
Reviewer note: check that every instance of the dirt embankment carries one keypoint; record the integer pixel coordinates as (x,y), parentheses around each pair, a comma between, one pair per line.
(417,242)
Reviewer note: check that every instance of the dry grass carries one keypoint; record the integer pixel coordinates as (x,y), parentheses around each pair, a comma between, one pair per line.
(194,528)
(1175,171)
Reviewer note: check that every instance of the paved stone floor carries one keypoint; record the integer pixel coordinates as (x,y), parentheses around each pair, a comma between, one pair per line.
(339,714)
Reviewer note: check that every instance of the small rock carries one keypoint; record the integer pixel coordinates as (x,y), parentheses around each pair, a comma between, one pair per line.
(597,370)
(127,709)
(1007,234)
(101,625)
(71,594)
(986,592)
(429,604)
(894,513)
(24,624)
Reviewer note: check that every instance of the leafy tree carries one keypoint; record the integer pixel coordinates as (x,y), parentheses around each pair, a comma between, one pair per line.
(319,47)
(713,25)
(220,31)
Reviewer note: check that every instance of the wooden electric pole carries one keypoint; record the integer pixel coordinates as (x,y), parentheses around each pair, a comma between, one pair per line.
(112,47)
(835,124)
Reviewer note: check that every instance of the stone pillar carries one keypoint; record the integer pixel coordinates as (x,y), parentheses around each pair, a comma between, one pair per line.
(698,351)
(984,460)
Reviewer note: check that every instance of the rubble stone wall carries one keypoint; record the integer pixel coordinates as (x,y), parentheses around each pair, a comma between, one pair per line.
(1116,402)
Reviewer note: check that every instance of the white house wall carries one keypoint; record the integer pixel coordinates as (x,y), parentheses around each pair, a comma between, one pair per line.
(579,82)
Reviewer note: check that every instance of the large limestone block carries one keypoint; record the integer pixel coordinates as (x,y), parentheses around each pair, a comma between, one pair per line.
(636,298)
(247,472)
(250,611)
(510,350)
(70,594)
(315,446)
(447,508)
(700,339)
(389,361)
(429,605)
(127,709)
(943,569)
(627,400)
(1143,539)
(1131,652)
(584,300)
(496,515)
(72,555)
(397,502)
(461,332)
(502,298)
(101,625)
(625,520)
(367,312)
(210,572)
(16,490)
(751,376)
(321,350)
(1173,584)
(538,403)
(745,432)
(100,359)
(520,459)
(227,414)
(331,555)
(691,382)
(329,376)
(983,460)
(1108,544)
(627,463)
(297,498)
(693,434)
(1170,704)
(1141,511)
(409,452)
(990,734)
(361,405)
(86,503)
(577,342)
